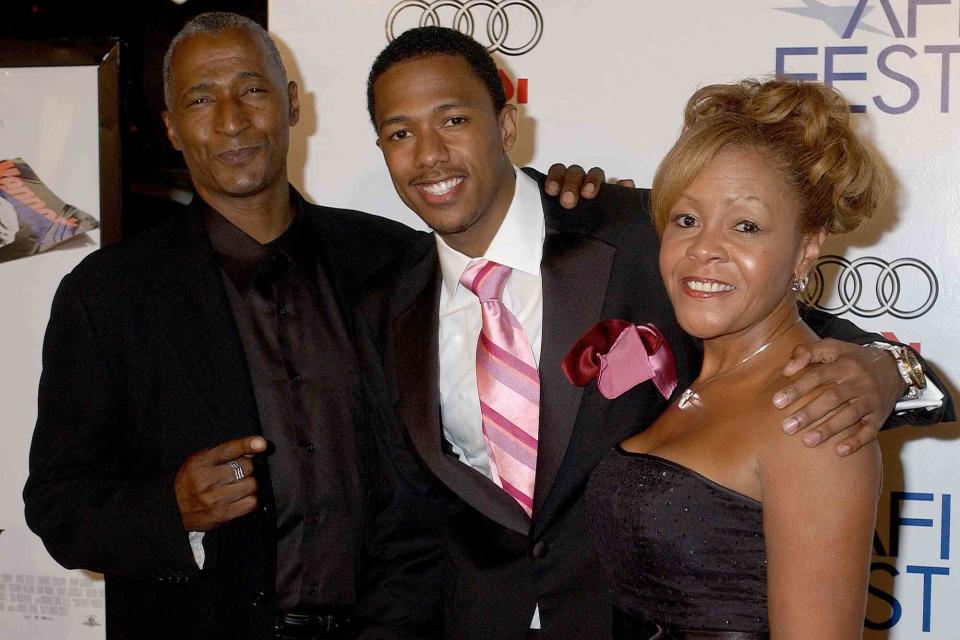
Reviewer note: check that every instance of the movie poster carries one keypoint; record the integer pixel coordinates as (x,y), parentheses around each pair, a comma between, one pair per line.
(49,212)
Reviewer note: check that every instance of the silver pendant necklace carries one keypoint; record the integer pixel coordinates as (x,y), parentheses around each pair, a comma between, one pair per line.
(691,399)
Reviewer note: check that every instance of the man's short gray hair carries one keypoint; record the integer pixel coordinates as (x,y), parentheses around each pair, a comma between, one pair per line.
(214,22)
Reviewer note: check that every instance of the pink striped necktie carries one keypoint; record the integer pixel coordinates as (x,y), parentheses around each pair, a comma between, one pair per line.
(509,385)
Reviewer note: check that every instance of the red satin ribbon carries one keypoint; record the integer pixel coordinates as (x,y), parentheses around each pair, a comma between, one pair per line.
(619,361)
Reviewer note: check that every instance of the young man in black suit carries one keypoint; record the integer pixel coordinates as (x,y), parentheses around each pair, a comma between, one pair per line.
(516,567)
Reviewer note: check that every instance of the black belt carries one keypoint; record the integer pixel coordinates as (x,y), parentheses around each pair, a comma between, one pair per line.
(625,625)
(307,626)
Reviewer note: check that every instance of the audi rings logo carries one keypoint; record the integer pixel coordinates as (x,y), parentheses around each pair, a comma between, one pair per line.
(513,27)
(870,287)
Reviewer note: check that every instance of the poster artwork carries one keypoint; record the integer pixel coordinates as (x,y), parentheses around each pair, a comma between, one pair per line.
(32,218)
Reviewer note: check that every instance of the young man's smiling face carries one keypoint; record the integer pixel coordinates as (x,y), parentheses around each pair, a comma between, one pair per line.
(446,148)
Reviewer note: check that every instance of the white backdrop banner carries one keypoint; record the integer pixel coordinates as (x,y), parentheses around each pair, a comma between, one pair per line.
(48,118)
(604,83)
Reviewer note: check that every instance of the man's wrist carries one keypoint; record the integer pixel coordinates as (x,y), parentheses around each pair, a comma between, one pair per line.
(908,366)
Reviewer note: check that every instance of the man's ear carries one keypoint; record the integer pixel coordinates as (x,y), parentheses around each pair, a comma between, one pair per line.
(508,126)
(293,95)
(810,251)
(171,131)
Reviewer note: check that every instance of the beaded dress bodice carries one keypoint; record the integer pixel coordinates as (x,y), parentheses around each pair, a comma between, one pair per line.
(681,549)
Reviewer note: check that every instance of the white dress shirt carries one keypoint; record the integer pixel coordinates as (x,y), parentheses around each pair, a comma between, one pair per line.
(518,245)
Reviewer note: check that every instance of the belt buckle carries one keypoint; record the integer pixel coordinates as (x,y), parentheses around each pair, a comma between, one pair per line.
(306,626)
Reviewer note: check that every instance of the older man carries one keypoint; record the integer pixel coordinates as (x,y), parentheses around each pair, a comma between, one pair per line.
(200,436)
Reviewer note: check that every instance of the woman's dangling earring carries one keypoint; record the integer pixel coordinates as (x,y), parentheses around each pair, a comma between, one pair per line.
(799,284)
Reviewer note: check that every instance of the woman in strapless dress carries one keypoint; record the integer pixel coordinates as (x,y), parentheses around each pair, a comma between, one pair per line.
(712,522)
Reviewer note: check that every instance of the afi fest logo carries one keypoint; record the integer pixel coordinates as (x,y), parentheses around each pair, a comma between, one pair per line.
(509,27)
(924,577)
(907,61)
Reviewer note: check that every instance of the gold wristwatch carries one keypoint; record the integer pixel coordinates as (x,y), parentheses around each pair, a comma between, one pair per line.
(909,367)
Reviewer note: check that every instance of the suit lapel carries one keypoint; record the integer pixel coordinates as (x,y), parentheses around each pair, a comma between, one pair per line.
(414,338)
(196,319)
(575,271)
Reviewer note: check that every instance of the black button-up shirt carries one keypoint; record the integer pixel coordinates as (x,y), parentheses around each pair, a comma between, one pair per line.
(307,386)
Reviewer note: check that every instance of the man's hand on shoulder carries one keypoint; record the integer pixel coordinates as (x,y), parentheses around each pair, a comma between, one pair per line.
(209,492)
(860,389)
(572,183)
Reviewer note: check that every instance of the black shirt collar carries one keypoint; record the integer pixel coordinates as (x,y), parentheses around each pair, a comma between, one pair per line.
(242,257)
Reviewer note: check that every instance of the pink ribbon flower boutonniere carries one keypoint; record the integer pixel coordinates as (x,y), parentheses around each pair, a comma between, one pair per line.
(620,355)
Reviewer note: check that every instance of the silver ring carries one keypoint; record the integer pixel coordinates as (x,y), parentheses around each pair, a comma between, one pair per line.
(238,473)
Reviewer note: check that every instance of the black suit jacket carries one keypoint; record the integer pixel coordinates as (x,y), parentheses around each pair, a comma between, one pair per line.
(142,366)
(600,261)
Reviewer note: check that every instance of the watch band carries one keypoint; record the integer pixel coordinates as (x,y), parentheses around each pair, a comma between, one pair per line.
(909,367)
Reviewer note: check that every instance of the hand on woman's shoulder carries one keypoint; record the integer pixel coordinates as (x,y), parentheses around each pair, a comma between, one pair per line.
(819,515)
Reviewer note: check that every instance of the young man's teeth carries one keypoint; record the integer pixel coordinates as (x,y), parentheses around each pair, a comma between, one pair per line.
(708,287)
(440,188)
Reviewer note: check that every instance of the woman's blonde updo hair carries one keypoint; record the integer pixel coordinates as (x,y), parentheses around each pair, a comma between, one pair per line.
(804,129)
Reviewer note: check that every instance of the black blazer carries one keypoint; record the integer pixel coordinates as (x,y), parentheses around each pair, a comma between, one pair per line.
(142,366)
(600,261)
